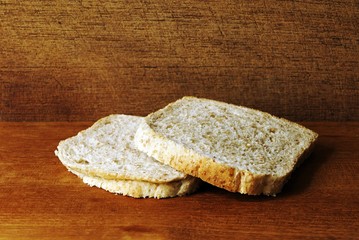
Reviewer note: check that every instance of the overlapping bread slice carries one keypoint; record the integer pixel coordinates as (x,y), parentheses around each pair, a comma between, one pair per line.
(104,155)
(232,147)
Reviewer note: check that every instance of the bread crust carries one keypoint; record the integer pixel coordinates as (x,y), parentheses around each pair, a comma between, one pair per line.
(190,162)
(142,189)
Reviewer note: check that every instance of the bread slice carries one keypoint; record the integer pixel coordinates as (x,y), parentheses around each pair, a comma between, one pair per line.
(104,155)
(232,147)
(142,189)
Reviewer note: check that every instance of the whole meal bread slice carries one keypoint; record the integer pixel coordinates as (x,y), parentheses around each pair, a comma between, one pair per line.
(142,189)
(232,147)
(104,155)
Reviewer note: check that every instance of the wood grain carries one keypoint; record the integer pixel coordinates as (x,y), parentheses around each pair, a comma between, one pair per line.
(40,199)
(81,60)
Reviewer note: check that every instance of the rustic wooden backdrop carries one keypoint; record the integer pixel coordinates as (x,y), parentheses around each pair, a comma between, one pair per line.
(80,60)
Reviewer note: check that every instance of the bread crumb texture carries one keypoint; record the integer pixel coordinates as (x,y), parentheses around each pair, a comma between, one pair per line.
(107,149)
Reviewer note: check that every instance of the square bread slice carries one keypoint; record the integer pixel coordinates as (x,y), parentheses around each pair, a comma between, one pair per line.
(105,156)
(232,147)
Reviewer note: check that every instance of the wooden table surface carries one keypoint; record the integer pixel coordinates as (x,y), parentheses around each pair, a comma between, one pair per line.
(40,199)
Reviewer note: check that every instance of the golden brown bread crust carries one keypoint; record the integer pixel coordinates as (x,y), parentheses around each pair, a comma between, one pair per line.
(142,189)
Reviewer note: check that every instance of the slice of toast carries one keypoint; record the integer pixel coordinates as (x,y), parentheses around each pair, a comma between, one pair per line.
(232,147)
(104,155)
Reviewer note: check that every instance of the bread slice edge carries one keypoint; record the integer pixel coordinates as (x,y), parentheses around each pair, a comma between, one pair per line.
(142,189)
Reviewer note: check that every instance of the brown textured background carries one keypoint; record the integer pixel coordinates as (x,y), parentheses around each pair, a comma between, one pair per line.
(81,60)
